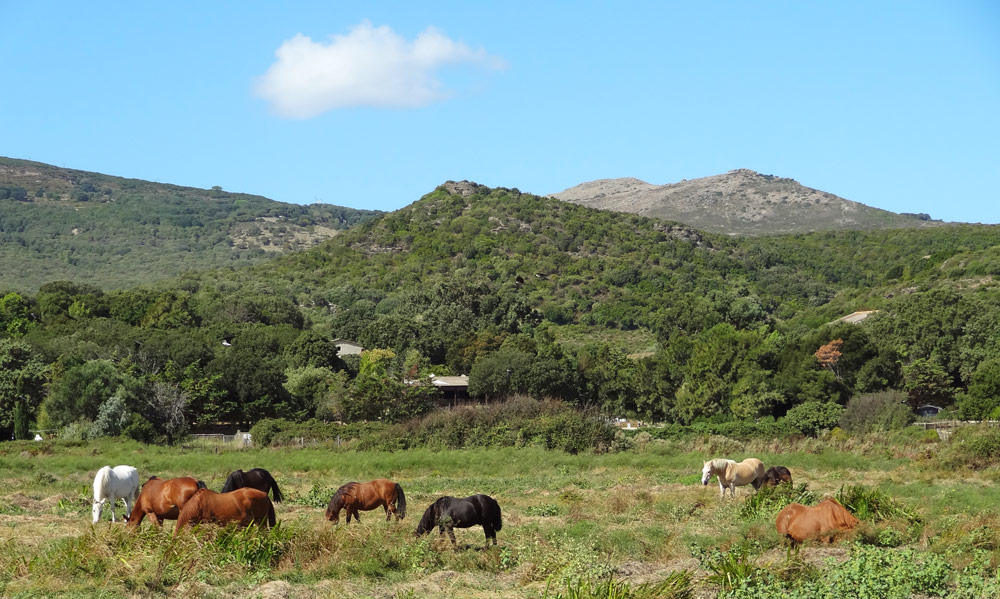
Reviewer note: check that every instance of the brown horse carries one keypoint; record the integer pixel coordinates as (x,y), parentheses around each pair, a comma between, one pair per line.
(367,496)
(244,506)
(824,520)
(776,475)
(163,499)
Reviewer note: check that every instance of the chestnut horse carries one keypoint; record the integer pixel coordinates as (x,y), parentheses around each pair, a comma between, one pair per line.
(244,506)
(367,496)
(824,520)
(163,499)
(731,474)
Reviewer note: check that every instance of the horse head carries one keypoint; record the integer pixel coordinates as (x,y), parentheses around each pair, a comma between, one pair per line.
(337,503)
(428,521)
(706,473)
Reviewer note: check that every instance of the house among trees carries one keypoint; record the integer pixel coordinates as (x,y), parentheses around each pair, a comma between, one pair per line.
(347,348)
(856,317)
(454,389)
(928,411)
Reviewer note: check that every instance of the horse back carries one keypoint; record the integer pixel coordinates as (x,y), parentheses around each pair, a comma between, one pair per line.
(489,511)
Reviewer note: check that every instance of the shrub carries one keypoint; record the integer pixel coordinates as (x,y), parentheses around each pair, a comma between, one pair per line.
(768,501)
(811,417)
(976,446)
(873,505)
(876,412)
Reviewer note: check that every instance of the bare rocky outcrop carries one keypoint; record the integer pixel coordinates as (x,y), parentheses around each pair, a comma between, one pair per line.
(740,202)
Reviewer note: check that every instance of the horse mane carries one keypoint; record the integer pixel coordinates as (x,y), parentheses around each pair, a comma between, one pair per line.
(202,485)
(235,480)
(429,519)
(719,464)
(101,481)
(337,501)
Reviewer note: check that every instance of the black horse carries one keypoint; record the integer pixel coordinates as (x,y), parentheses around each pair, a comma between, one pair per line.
(448,513)
(257,478)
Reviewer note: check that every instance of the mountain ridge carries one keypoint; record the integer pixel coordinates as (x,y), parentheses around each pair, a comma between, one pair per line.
(739,202)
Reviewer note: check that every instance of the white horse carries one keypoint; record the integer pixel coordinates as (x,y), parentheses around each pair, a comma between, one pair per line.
(121,482)
(732,475)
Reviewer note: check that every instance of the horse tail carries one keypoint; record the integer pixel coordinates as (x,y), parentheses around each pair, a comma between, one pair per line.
(101,482)
(400,501)
(498,523)
(275,491)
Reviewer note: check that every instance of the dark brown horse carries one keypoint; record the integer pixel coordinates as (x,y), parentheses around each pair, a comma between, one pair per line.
(367,496)
(244,506)
(776,475)
(255,478)
(163,499)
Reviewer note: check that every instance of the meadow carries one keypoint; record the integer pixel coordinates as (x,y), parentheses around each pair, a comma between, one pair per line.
(630,524)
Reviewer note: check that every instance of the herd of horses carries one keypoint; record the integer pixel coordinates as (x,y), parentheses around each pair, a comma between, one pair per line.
(795,522)
(246,498)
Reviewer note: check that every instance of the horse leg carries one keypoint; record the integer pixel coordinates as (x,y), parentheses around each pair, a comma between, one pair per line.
(722,489)
(155,519)
(451,535)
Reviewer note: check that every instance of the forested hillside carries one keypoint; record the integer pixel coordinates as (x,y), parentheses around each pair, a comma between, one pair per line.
(527,295)
(111,232)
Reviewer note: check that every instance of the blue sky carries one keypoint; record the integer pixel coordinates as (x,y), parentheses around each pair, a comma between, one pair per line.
(372,105)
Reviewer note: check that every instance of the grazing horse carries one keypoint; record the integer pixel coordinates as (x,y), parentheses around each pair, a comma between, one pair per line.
(255,478)
(776,475)
(112,484)
(824,520)
(448,513)
(367,496)
(244,506)
(163,499)
(732,474)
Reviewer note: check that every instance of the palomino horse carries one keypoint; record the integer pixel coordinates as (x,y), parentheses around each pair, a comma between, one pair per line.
(244,506)
(163,499)
(112,484)
(732,474)
(449,513)
(255,478)
(367,496)
(824,520)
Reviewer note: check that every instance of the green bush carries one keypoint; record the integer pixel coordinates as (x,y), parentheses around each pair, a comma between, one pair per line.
(811,417)
(876,412)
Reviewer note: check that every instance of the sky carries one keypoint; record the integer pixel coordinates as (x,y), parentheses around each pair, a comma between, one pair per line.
(373,104)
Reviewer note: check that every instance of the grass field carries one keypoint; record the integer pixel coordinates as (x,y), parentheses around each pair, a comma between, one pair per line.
(630,524)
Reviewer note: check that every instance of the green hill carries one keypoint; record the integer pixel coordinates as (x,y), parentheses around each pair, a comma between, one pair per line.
(525,294)
(112,232)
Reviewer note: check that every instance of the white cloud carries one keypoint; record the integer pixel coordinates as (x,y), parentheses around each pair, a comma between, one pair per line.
(370,66)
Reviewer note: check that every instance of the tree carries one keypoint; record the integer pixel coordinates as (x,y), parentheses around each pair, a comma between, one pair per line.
(23,377)
(829,355)
(167,405)
(80,391)
(926,382)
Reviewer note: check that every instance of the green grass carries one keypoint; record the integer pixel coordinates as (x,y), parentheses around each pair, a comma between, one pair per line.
(611,525)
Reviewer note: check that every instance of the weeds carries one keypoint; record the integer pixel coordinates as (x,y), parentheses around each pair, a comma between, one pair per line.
(677,585)
(873,505)
(768,501)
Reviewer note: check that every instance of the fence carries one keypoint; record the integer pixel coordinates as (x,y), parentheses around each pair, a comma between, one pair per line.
(238,441)
(945,428)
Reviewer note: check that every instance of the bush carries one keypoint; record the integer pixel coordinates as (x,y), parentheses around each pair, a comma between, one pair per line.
(877,412)
(811,417)
(976,446)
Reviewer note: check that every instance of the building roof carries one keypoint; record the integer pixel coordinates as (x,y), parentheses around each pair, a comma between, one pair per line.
(856,317)
(461,380)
